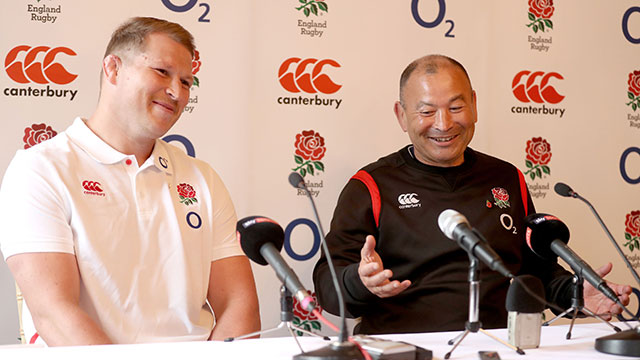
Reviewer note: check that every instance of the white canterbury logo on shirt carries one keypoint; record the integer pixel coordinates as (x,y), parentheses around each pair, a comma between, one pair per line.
(409,200)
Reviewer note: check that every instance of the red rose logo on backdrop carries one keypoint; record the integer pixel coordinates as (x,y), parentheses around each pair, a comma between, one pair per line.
(187,194)
(36,134)
(634,90)
(632,230)
(309,150)
(304,319)
(501,197)
(195,67)
(312,7)
(538,156)
(540,12)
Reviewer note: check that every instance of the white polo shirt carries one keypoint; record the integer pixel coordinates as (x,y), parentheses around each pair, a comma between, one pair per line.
(144,237)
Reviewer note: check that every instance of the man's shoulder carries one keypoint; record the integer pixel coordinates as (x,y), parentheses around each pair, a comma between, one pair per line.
(385,164)
(487,160)
(184,162)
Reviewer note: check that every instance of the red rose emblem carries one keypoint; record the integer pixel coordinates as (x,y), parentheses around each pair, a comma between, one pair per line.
(186,191)
(195,63)
(632,223)
(303,314)
(500,194)
(310,145)
(541,8)
(36,134)
(538,151)
(634,82)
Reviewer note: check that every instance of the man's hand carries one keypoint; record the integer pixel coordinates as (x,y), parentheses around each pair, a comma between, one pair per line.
(373,274)
(598,303)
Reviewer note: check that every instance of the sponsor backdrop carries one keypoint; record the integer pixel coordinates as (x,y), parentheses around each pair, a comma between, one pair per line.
(308,86)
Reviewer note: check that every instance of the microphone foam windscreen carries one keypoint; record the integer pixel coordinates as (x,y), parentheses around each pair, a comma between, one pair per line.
(296,180)
(562,189)
(519,300)
(542,230)
(255,231)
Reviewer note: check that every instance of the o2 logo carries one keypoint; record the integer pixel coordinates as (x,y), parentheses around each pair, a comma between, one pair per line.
(442,6)
(625,24)
(188,6)
(188,146)
(623,165)
(287,239)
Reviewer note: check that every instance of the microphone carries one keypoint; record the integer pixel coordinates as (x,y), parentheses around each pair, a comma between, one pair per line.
(524,320)
(261,240)
(547,236)
(563,189)
(456,227)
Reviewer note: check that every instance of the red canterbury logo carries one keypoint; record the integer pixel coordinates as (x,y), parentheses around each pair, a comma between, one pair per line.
(536,88)
(30,70)
(92,188)
(299,79)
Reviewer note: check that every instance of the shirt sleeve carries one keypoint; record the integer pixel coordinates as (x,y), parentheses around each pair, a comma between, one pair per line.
(34,216)
(352,221)
(224,222)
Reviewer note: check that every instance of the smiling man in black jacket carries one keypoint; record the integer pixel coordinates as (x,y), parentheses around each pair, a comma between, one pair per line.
(398,272)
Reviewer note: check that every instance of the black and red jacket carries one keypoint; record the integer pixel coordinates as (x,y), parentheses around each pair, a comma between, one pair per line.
(398,200)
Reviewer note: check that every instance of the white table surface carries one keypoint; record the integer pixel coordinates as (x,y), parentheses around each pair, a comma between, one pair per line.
(553,345)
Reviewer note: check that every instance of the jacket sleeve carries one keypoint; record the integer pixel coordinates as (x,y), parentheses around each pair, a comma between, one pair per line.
(352,221)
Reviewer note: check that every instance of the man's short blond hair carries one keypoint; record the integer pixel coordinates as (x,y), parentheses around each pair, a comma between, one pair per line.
(132,35)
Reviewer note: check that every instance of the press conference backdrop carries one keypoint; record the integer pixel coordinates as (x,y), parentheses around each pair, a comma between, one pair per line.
(309,85)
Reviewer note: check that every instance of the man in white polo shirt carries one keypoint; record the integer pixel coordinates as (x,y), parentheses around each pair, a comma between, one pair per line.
(112,234)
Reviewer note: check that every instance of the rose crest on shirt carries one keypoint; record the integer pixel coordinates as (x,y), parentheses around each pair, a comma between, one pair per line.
(187,194)
(500,198)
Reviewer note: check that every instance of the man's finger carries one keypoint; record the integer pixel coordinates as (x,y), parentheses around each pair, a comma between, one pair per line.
(392,288)
(604,269)
(378,279)
(368,248)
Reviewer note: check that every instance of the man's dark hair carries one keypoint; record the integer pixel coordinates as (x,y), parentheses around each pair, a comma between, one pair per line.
(429,64)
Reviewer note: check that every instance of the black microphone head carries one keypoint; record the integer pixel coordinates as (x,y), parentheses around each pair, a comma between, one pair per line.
(296,180)
(519,300)
(255,231)
(542,230)
(563,189)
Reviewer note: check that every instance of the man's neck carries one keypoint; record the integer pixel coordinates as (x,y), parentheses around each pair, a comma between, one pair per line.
(119,138)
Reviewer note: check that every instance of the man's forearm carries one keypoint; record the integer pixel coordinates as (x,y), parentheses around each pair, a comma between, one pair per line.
(66,325)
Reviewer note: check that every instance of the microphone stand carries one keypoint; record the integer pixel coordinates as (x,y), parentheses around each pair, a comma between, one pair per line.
(286,320)
(606,230)
(577,304)
(626,343)
(473,324)
(341,349)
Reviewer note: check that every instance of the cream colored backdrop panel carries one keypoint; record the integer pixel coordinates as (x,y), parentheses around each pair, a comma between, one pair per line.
(241,119)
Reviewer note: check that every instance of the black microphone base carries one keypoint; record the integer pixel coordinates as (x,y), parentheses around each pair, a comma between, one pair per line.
(625,343)
(335,351)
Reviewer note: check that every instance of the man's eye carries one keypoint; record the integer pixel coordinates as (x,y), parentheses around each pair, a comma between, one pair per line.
(456,108)
(161,71)
(427,113)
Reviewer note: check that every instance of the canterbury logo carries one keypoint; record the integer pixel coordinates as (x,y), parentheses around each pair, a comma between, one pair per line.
(30,70)
(408,199)
(92,186)
(528,86)
(301,80)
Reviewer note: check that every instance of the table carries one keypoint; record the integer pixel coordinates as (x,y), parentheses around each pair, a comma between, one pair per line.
(553,345)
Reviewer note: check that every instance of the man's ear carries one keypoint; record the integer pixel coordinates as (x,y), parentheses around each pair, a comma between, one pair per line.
(111,64)
(398,109)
